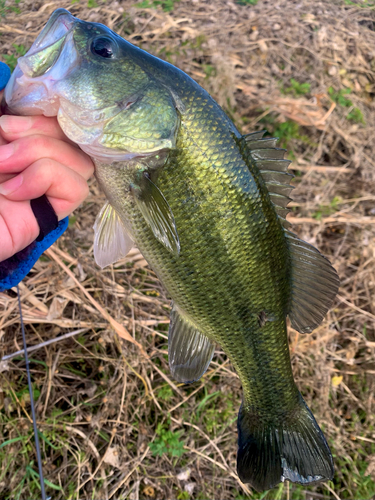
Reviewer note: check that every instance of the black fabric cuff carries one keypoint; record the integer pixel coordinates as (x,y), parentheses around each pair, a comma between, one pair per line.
(45,216)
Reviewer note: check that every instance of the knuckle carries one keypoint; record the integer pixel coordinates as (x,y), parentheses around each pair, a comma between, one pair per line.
(27,228)
(16,235)
(83,163)
(84,190)
(42,170)
(41,143)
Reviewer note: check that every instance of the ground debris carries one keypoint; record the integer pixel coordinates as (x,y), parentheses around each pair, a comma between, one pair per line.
(112,426)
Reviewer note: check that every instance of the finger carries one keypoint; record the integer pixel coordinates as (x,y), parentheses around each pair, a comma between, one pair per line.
(18,226)
(14,127)
(5,177)
(19,154)
(65,188)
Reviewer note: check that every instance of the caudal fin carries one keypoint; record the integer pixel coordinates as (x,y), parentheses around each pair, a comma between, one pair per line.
(294,449)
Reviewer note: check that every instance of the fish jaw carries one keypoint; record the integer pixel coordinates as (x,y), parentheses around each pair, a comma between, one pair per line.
(31,89)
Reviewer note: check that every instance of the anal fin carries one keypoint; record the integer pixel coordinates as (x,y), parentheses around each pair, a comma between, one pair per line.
(189,351)
(314,285)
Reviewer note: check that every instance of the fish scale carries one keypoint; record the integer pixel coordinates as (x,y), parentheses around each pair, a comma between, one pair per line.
(232,262)
(206,207)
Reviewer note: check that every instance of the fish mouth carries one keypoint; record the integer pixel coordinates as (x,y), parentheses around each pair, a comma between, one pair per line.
(58,26)
(48,46)
(32,88)
(50,58)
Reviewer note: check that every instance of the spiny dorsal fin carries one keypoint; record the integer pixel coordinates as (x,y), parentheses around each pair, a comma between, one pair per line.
(268,154)
(314,284)
(276,176)
(267,142)
(189,351)
(254,136)
(274,170)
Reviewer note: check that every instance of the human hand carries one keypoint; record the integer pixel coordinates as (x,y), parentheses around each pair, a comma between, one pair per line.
(36,158)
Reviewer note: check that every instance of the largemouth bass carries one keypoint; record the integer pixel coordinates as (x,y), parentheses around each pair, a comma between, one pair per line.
(207,208)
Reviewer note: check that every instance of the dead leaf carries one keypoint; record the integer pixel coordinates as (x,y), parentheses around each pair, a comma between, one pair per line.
(189,487)
(184,475)
(111,457)
(57,308)
(336,381)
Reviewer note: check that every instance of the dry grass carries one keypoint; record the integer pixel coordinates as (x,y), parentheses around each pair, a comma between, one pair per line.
(100,400)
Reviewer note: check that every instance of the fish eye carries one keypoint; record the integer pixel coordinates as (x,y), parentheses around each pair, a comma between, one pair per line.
(103,46)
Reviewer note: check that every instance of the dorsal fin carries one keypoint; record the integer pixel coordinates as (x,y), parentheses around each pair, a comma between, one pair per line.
(268,154)
(314,284)
(274,169)
(314,281)
(267,142)
(254,136)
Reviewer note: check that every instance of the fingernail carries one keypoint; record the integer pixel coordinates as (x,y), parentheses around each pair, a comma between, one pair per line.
(6,151)
(11,124)
(11,185)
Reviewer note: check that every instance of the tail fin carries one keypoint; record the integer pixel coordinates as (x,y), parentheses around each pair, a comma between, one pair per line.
(295,449)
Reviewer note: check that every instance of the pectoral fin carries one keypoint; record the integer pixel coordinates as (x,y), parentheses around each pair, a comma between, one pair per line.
(190,352)
(157,213)
(111,239)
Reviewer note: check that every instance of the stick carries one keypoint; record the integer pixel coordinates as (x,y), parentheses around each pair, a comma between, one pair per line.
(43,344)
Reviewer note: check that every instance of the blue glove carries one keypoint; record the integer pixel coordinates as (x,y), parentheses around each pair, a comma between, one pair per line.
(4,75)
(14,269)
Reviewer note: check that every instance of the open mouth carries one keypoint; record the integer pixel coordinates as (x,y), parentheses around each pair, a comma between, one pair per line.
(50,58)
(48,46)
(58,25)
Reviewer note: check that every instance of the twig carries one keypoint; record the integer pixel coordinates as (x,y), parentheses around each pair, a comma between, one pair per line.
(365,439)
(118,486)
(214,445)
(119,329)
(168,380)
(356,308)
(320,168)
(332,220)
(43,344)
(226,469)
(331,490)
(51,373)
(84,437)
